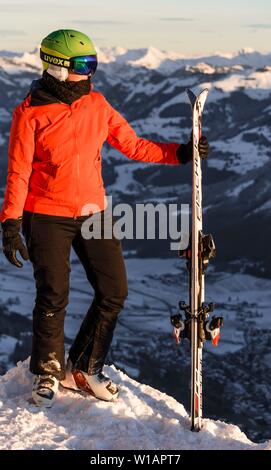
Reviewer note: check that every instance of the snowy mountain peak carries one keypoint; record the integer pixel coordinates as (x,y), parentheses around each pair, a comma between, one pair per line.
(153,58)
(247,50)
(31,59)
(142,418)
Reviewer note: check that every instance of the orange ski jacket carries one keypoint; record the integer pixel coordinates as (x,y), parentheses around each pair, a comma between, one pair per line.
(54,162)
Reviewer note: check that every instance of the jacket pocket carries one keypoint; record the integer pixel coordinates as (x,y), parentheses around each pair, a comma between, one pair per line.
(43,176)
(58,151)
(98,168)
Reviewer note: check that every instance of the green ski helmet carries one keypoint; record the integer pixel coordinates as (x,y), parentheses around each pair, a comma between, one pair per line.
(70,49)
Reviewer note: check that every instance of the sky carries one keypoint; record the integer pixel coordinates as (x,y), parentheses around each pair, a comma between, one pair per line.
(190,27)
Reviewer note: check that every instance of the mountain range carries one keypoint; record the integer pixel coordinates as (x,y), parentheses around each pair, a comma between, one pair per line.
(148,87)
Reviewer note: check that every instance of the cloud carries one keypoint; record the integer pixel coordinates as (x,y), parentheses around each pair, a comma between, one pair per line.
(90,22)
(177,19)
(31,6)
(259,26)
(10,32)
(15,7)
(207,31)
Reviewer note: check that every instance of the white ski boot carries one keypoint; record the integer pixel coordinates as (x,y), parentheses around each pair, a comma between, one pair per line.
(44,390)
(97,385)
(69,381)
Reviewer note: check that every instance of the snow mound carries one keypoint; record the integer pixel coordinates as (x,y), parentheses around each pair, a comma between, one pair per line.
(142,418)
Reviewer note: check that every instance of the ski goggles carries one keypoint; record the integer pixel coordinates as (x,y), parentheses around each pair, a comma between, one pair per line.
(82,65)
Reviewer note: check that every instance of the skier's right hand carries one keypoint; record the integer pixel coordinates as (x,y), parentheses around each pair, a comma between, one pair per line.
(12,242)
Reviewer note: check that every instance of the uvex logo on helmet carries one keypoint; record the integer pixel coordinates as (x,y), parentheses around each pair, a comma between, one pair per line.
(55,60)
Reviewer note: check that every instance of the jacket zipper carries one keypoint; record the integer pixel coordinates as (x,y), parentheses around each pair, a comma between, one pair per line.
(77,171)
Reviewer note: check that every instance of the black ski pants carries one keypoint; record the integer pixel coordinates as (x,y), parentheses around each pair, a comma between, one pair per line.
(49,240)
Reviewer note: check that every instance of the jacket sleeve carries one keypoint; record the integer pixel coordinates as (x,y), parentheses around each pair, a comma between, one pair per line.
(123,137)
(20,157)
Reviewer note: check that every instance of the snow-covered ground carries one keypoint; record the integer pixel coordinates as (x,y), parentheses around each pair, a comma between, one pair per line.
(7,345)
(247,155)
(142,418)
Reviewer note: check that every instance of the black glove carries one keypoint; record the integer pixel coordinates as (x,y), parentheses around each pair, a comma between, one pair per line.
(12,242)
(185,151)
(203,147)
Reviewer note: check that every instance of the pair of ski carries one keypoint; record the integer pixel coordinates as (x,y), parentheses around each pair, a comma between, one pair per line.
(196,325)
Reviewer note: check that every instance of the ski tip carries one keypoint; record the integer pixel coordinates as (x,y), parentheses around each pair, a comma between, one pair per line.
(192,97)
(201,96)
(191,93)
(205,91)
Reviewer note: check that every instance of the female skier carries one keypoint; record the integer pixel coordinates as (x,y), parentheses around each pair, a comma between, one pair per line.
(54,173)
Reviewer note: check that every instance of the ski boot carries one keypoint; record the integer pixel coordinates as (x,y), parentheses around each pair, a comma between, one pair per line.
(44,390)
(69,381)
(97,385)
